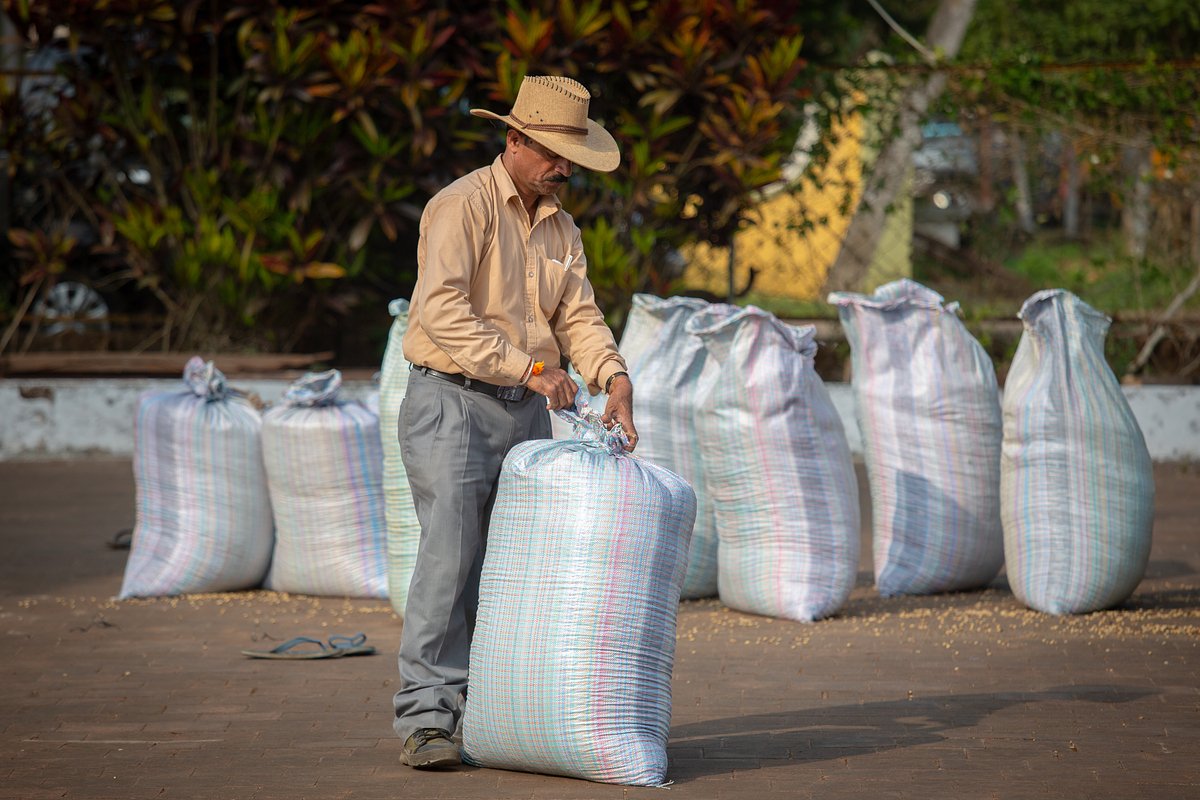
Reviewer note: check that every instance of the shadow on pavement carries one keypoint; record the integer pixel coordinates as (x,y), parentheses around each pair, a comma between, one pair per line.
(785,738)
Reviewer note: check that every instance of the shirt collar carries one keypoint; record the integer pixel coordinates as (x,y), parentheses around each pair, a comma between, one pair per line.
(547,204)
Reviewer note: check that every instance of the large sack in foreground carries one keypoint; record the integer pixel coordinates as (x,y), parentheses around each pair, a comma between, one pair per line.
(575,636)
(1077,483)
(203,510)
(403,528)
(929,409)
(324,468)
(778,468)
(665,371)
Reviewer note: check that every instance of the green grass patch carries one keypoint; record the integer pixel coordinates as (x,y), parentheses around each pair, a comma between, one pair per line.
(788,307)
(1100,275)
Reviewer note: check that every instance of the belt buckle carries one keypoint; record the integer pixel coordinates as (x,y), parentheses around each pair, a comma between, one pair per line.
(510,394)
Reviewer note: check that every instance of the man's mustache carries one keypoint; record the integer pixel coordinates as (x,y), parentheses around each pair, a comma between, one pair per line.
(557,178)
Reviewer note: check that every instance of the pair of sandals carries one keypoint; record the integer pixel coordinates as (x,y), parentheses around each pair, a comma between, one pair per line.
(304,648)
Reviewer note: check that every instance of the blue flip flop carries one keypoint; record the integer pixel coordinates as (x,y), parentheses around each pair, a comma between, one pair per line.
(304,648)
(352,645)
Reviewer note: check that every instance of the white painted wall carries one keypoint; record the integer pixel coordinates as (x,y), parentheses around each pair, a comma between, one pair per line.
(71,417)
(1170,420)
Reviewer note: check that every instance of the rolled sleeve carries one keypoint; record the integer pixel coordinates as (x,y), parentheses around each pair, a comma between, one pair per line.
(582,333)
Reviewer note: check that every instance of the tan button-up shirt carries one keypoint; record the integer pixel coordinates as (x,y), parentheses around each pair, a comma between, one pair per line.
(494,291)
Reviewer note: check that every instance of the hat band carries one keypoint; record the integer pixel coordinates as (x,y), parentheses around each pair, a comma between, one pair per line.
(549,128)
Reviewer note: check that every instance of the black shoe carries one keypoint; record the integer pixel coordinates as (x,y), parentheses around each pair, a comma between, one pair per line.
(430,748)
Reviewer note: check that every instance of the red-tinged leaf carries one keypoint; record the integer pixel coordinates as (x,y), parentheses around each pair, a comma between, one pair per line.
(20,237)
(388,225)
(279,263)
(425,142)
(323,269)
(323,89)
(442,36)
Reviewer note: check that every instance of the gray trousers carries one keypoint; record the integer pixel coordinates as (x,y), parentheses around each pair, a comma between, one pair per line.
(453,443)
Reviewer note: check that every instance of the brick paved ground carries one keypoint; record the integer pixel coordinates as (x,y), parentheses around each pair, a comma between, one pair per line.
(957,696)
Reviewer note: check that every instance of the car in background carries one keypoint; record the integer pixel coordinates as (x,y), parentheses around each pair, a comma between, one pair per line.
(945,174)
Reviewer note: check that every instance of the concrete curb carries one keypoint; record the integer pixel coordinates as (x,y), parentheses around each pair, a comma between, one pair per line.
(46,418)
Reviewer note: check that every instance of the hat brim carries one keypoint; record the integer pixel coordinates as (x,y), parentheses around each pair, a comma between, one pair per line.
(597,151)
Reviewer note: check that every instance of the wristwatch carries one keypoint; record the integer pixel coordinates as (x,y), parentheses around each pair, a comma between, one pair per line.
(611,378)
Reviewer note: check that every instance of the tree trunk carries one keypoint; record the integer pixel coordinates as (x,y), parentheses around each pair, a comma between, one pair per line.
(1020,177)
(1135,208)
(1195,233)
(880,189)
(1072,187)
(10,48)
(987,188)
(10,60)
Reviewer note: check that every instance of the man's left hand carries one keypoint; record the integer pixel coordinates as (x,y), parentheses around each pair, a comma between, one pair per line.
(619,409)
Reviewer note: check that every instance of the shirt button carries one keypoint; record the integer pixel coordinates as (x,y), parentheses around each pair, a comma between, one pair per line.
(531,274)
(531,318)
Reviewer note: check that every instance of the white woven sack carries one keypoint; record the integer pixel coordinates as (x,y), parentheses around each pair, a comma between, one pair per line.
(778,468)
(1077,482)
(666,375)
(575,636)
(929,409)
(203,510)
(644,324)
(403,528)
(324,468)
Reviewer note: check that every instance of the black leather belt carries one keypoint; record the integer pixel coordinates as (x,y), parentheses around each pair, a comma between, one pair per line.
(512,394)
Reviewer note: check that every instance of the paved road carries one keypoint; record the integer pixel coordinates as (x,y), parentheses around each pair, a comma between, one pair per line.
(955,696)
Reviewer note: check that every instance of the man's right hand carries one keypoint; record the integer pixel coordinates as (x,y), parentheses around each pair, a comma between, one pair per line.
(556,386)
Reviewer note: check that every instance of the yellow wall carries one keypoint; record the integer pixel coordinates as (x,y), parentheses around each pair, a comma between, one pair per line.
(793,263)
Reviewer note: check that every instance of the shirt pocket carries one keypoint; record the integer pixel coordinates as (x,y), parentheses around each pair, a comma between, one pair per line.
(553,279)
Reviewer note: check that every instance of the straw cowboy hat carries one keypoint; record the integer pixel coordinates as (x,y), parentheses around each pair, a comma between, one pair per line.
(554,112)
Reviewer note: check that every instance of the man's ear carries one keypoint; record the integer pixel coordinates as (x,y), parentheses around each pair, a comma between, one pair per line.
(511,139)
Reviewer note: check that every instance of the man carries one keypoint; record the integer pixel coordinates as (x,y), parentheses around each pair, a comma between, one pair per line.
(502,294)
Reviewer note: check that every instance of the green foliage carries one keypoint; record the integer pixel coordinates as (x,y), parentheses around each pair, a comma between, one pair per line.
(46,252)
(260,168)
(247,165)
(705,99)
(1099,69)
(790,308)
(1099,274)
(1109,89)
